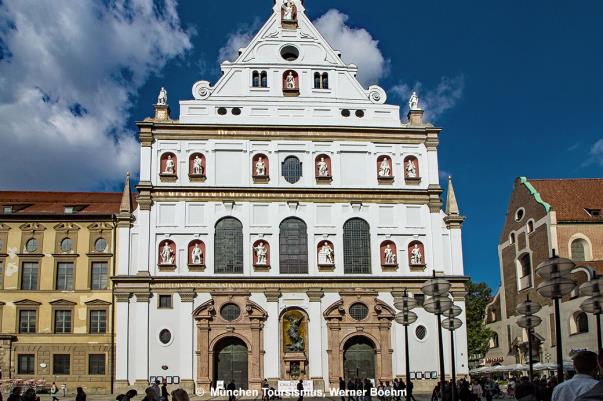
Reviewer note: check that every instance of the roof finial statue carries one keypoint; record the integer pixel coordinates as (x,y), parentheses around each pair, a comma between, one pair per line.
(413,102)
(162,98)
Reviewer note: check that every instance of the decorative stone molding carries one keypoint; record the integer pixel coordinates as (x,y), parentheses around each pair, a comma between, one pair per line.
(144,198)
(187,295)
(315,295)
(272,295)
(142,296)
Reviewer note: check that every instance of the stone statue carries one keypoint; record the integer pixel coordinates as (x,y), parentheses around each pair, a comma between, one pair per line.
(323,168)
(260,167)
(326,254)
(261,254)
(197,255)
(411,169)
(198,165)
(385,169)
(290,81)
(389,256)
(297,341)
(169,165)
(287,10)
(162,98)
(416,258)
(413,102)
(167,258)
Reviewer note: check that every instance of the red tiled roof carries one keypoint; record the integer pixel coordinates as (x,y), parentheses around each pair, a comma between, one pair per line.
(40,203)
(570,197)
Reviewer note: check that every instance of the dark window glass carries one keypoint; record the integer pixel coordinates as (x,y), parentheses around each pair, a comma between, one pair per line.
(27,321)
(100,245)
(526,265)
(421,332)
(325,80)
(165,302)
(345,112)
(230,312)
(29,276)
(165,336)
(96,364)
(292,169)
(64,277)
(228,244)
(316,80)
(98,275)
(358,311)
(31,245)
(582,323)
(26,364)
(359,113)
(578,250)
(60,364)
(66,245)
(356,247)
(264,77)
(98,321)
(62,321)
(256,79)
(293,246)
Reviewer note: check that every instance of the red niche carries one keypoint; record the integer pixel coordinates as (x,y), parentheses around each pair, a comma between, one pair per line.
(322,166)
(167,253)
(169,164)
(290,81)
(416,254)
(197,165)
(389,253)
(411,167)
(260,165)
(325,252)
(384,167)
(261,253)
(196,253)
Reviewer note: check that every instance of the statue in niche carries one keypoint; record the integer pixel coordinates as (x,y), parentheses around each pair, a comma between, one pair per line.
(297,343)
(290,81)
(385,169)
(162,98)
(323,168)
(413,102)
(416,258)
(261,254)
(288,10)
(169,165)
(198,165)
(260,167)
(197,255)
(167,256)
(389,255)
(326,256)
(411,169)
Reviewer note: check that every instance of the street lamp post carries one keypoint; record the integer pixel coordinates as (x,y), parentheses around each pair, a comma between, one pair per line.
(406,317)
(528,321)
(594,304)
(451,323)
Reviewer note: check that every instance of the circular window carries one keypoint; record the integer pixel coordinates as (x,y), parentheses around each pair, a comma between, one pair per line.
(230,312)
(345,112)
(292,169)
(66,245)
(165,336)
(222,111)
(236,111)
(358,311)
(100,245)
(290,53)
(31,245)
(421,332)
(359,113)
(519,214)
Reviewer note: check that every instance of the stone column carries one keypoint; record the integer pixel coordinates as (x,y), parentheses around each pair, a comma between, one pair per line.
(255,364)
(386,350)
(145,244)
(122,346)
(272,337)
(203,355)
(334,355)
(141,347)
(315,338)
(187,327)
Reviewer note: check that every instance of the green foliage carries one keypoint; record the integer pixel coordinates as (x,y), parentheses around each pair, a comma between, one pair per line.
(478,335)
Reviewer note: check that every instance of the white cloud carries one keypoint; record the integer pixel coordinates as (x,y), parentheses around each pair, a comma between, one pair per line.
(357,46)
(435,101)
(238,40)
(597,152)
(69,73)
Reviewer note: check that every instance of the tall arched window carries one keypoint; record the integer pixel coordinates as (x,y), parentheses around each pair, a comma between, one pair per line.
(524,271)
(325,80)
(356,247)
(264,79)
(255,79)
(494,341)
(579,250)
(228,246)
(293,246)
(581,320)
(317,80)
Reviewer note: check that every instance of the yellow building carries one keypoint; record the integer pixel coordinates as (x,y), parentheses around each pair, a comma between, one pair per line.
(56,260)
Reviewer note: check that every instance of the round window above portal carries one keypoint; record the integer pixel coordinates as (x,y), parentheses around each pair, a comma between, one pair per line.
(230,312)
(359,311)
(290,53)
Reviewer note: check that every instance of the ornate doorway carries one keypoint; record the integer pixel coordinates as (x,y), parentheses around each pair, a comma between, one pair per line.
(359,359)
(230,362)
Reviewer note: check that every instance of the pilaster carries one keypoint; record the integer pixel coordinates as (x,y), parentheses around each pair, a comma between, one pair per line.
(272,337)
(315,337)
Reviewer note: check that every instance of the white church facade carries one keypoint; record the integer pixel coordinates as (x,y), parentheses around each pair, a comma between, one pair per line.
(277,220)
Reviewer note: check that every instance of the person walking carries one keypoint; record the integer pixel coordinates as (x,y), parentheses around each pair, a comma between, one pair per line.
(351,390)
(165,396)
(54,390)
(231,391)
(477,391)
(15,395)
(300,390)
(342,389)
(409,389)
(180,395)
(585,363)
(368,385)
(265,390)
(80,395)
(595,393)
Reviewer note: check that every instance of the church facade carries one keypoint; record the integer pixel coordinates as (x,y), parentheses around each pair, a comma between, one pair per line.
(277,220)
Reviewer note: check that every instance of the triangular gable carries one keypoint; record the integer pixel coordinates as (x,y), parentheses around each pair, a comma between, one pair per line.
(97,302)
(27,302)
(62,302)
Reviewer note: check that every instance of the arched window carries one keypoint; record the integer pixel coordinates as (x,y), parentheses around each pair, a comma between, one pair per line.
(325,80)
(317,80)
(293,246)
(512,238)
(255,79)
(292,169)
(264,79)
(579,250)
(228,246)
(494,341)
(356,247)
(530,226)
(581,320)
(524,271)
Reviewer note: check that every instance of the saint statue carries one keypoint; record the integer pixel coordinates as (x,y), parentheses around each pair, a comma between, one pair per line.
(287,10)
(416,258)
(326,255)
(197,255)
(385,169)
(198,166)
(260,167)
(290,81)
(389,256)
(297,341)
(162,98)
(323,168)
(413,102)
(169,165)
(411,169)
(261,254)
(166,255)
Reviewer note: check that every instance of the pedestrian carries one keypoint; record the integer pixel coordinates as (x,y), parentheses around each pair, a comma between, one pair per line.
(180,395)
(524,391)
(342,389)
(165,396)
(595,393)
(230,389)
(54,390)
(149,394)
(265,390)
(409,388)
(585,363)
(15,395)
(156,390)
(80,395)
(477,391)
(368,385)
(435,394)
(300,390)
(351,390)
(30,395)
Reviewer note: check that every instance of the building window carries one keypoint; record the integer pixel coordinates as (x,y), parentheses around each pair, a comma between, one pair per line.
(26,364)
(100,245)
(29,276)
(359,311)
(255,79)
(511,238)
(66,245)
(579,250)
(293,246)
(321,81)
(64,277)
(325,80)
(581,320)
(165,302)
(519,213)
(165,336)
(530,226)
(230,312)
(27,321)
(31,245)
(264,79)
(62,321)
(228,242)
(98,322)
(292,169)
(99,272)
(494,341)
(421,332)
(60,364)
(356,247)
(525,271)
(96,364)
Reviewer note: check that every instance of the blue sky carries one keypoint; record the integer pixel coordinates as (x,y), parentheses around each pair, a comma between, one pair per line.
(515,85)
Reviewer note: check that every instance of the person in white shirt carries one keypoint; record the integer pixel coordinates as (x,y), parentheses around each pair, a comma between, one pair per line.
(595,393)
(585,363)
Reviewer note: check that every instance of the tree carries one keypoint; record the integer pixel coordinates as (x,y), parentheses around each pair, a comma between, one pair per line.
(478,335)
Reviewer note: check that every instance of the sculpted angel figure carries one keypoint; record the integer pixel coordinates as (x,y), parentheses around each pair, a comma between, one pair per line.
(411,169)
(323,168)
(197,255)
(169,165)
(390,257)
(166,255)
(261,254)
(416,258)
(297,341)
(385,169)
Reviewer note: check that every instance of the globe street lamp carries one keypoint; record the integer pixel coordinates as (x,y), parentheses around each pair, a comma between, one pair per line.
(406,317)
(528,321)
(555,271)
(594,304)
(451,323)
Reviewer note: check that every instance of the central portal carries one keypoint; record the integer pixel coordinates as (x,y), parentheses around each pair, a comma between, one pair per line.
(231,362)
(359,359)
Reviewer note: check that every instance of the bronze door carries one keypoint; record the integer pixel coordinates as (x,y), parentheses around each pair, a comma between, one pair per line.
(231,362)
(359,359)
